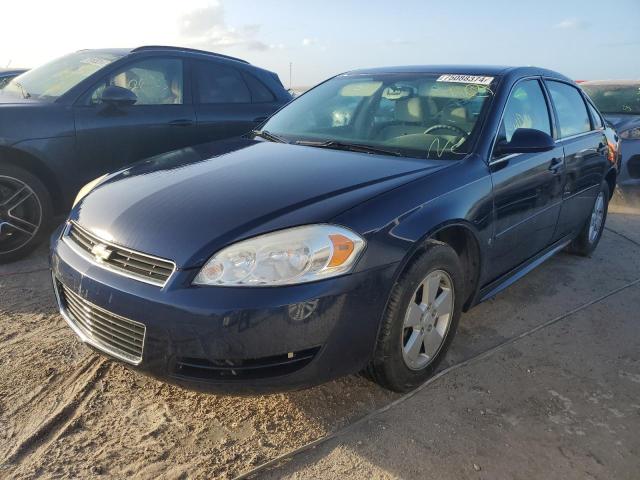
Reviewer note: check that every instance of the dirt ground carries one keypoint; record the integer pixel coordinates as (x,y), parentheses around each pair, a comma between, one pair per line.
(67,412)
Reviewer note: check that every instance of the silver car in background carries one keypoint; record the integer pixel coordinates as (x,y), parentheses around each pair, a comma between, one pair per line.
(619,102)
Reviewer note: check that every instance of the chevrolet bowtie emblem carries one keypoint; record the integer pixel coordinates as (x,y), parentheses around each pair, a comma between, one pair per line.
(101,252)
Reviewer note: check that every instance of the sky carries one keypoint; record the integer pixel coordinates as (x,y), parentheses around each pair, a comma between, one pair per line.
(584,39)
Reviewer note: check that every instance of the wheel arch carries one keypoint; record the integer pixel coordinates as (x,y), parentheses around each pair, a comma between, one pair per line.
(35,166)
(611,178)
(462,237)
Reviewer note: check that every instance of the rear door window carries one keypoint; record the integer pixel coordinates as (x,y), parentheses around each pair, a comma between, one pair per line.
(259,92)
(570,107)
(595,117)
(216,83)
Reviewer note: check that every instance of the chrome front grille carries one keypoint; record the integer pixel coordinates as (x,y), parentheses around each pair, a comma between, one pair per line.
(139,266)
(113,334)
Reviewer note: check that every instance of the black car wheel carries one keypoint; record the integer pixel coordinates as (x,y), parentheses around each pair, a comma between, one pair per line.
(587,241)
(420,321)
(25,211)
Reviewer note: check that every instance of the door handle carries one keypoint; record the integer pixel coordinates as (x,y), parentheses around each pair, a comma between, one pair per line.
(259,119)
(555,165)
(183,122)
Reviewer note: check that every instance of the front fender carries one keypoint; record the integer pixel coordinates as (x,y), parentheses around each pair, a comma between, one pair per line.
(396,223)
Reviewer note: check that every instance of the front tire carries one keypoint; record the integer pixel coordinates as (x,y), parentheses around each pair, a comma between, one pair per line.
(420,320)
(589,237)
(25,212)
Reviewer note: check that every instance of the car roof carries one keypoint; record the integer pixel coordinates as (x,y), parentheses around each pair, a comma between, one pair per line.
(166,48)
(163,48)
(491,70)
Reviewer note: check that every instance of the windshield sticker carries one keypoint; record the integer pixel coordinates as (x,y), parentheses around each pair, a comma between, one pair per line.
(476,79)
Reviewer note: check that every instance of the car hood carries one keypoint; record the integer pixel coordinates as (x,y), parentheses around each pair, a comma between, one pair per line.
(186,205)
(10,98)
(623,122)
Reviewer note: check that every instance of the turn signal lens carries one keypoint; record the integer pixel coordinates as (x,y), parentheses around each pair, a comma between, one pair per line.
(287,257)
(342,249)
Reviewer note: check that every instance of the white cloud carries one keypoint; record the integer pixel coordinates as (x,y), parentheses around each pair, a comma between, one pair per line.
(206,28)
(307,42)
(571,23)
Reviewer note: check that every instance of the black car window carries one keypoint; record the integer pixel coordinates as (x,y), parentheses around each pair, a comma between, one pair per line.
(526,108)
(595,117)
(217,83)
(571,109)
(155,81)
(259,93)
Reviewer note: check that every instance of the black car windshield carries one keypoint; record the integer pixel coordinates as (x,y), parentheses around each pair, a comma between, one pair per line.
(615,98)
(51,80)
(409,114)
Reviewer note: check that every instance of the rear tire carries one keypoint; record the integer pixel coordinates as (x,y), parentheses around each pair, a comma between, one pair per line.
(589,237)
(25,212)
(416,317)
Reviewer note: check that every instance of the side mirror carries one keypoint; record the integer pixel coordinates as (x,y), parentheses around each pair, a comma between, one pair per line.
(526,140)
(118,96)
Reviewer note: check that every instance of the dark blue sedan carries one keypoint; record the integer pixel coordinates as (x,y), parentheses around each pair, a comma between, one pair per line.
(347,234)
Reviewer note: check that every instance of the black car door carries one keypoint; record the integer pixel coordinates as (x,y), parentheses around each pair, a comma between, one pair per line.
(162,119)
(585,151)
(527,187)
(229,101)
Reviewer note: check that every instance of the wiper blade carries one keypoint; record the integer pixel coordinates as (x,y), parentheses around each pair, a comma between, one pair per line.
(268,136)
(352,147)
(25,94)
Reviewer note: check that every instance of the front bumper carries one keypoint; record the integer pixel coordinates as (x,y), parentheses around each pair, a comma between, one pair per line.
(237,339)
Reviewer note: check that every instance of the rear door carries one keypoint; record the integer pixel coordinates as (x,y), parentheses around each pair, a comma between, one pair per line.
(527,187)
(585,150)
(162,119)
(229,101)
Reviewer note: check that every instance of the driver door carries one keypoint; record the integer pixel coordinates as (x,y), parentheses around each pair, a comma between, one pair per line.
(163,118)
(527,187)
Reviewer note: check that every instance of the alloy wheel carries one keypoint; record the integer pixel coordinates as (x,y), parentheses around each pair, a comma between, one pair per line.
(20,214)
(427,320)
(597,217)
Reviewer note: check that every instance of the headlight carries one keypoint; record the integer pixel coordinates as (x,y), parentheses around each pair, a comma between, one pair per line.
(84,191)
(291,256)
(632,134)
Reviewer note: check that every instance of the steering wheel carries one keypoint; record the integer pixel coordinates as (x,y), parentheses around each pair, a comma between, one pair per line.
(442,126)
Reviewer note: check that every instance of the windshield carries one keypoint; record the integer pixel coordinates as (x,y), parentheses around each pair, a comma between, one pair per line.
(615,98)
(53,79)
(413,115)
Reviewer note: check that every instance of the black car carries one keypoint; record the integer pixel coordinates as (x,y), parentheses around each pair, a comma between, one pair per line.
(349,233)
(7,74)
(94,111)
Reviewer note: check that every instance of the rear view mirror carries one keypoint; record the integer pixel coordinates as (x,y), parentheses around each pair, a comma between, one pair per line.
(118,96)
(526,140)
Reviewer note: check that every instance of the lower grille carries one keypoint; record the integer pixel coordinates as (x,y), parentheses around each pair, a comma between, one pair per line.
(113,334)
(264,367)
